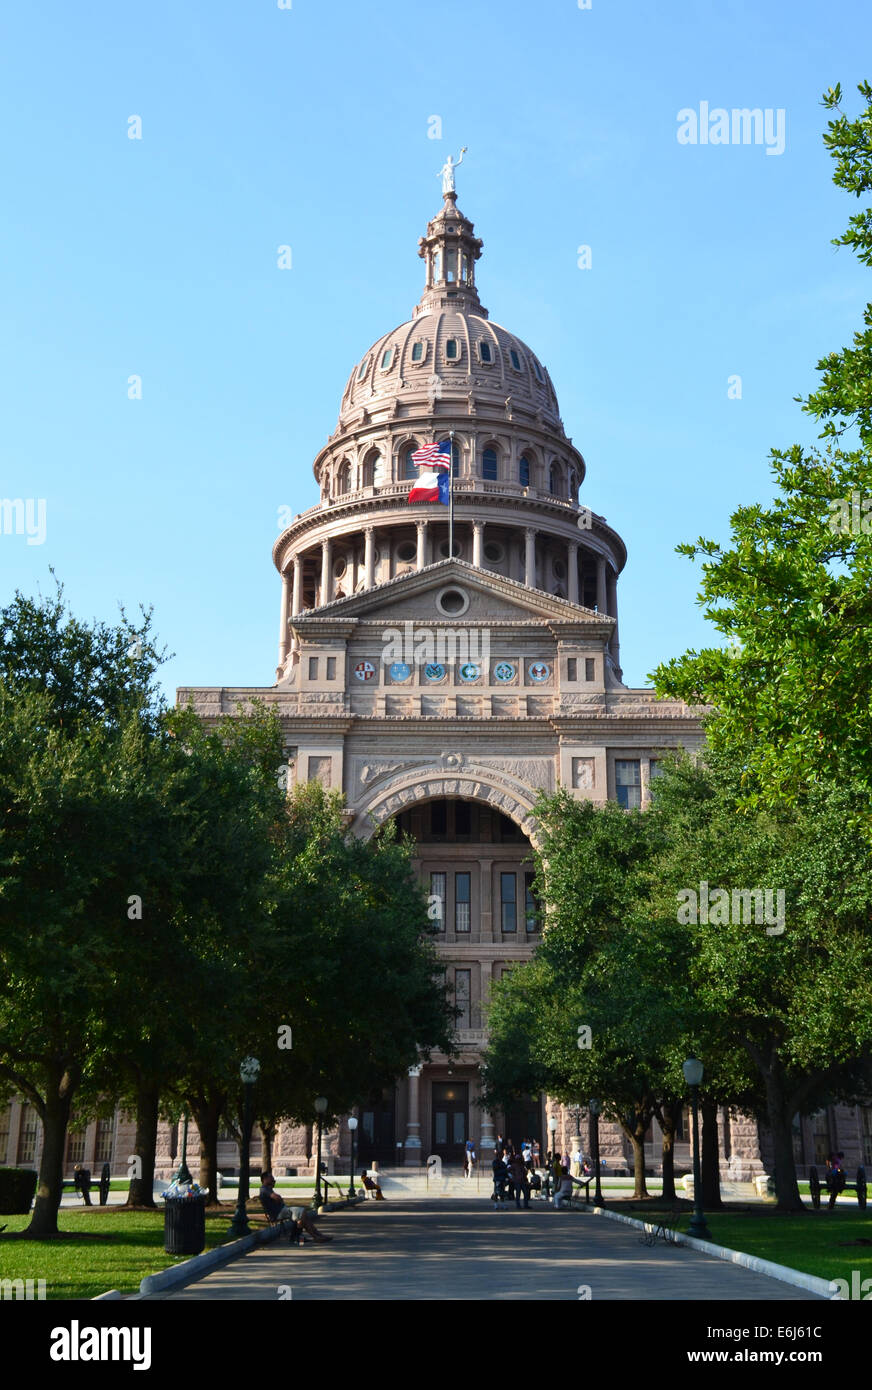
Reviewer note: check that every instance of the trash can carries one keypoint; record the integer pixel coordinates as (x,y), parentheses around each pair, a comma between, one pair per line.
(185,1224)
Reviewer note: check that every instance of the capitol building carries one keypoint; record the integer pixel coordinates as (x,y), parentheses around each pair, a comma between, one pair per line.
(445,685)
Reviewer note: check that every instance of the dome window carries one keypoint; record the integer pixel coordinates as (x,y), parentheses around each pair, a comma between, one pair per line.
(418,351)
(484,352)
(443,550)
(452,349)
(407,551)
(524,471)
(514,359)
(387,358)
(411,470)
(538,370)
(489,465)
(493,552)
(452,602)
(362,369)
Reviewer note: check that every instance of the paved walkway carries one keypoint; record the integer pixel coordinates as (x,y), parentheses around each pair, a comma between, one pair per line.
(452,1250)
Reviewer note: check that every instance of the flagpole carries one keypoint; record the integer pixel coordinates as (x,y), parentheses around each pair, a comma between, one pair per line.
(451,495)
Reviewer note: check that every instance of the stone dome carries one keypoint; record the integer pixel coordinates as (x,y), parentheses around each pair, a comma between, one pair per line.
(450,350)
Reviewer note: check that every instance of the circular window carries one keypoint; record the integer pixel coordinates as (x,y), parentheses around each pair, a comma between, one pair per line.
(443,550)
(452,602)
(407,551)
(339,569)
(493,552)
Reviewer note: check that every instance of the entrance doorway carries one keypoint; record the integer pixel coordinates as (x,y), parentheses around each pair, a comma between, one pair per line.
(523,1120)
(450,1107)
(375,1135)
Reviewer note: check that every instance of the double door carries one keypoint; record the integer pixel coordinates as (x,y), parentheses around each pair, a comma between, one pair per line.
(450,1119)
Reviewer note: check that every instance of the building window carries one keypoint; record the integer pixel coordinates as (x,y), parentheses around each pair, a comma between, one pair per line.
(313,668)
(589,668)
(104,1143)
(508,903)
(628,783)
(387,357)
(438,817)
(573,486)
(531,907)
(369,467)
(410,469)
(331,668)
(451,348)
(343,482)
(538,370)
(553,480)
(75,1145)
(462,818)
(489,465)
(524,471)
(514,359)
(406,552)
(484,350)
(27,1135)
(461,902)
(437,265)
(572,668)
(437,900)
(823,1144)
(362,370)
(462,980)
(418,351)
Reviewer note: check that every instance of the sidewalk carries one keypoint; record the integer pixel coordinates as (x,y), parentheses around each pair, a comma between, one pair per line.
(452,1250)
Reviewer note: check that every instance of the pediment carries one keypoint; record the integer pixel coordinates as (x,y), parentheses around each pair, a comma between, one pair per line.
(413,597)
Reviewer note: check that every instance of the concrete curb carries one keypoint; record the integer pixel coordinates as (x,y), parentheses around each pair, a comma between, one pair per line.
(100,1297)
(811,1282)
(199,1265)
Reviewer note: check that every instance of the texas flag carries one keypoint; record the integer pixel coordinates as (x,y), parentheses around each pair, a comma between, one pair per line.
(434,481)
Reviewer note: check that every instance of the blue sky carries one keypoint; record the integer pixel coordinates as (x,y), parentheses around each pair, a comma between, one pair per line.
(309,127)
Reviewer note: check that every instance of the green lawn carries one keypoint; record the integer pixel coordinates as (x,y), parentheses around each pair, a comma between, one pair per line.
(103,1249)
(809,1240)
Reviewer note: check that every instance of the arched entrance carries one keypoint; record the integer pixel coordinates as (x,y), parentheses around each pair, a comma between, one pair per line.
(475,864)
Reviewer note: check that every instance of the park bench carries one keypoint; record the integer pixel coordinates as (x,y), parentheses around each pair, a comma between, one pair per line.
(665,1228)
(834,1189)
(81,1182)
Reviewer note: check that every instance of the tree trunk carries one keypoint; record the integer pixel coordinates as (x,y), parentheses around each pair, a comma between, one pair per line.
(141,1193)
(709,1158)
(207,1112)
(267,1138)
(668,1116)
(55,1114)
(779,1112)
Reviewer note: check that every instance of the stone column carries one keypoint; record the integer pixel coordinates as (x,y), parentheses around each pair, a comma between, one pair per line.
(326,551)
(601,602)
(530,558)
(297,601)
(614,646)
(283,620)
(572,570)
(412,1146)
(369,556)
(477,532)
(422,544)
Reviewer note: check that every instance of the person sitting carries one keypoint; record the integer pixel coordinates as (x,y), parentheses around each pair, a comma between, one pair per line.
(276,1210)
(563,1188)
(371,1187)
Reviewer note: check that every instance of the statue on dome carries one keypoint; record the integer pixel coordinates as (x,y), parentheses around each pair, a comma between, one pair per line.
(446,173)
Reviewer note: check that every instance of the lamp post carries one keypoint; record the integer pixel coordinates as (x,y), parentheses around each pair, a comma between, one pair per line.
(552,1130)
(693,1072)
(352,1126)
(593,1109)
(183,1172)
(320,1111)
(249,1071)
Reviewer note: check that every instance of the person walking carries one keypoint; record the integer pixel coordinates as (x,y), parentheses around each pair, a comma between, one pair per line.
(520,1180)
(469,1160)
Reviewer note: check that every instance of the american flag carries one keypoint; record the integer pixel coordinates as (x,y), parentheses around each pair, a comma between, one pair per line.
(433,455)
